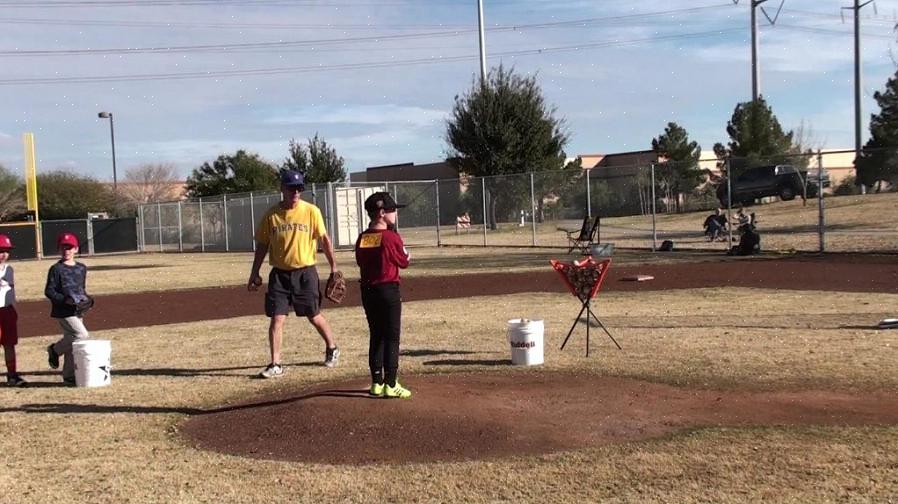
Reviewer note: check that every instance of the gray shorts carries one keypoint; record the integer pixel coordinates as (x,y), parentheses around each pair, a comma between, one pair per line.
(296,288)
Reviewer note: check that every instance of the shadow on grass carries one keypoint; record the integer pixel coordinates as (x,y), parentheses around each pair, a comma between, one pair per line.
(471,362)
(188,373)
(66,409)
(427,352)
(110,267)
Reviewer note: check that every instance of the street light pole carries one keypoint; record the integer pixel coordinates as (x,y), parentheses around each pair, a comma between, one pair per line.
(108,115)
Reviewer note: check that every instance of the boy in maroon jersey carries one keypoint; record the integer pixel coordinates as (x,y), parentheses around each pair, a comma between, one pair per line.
(380,254)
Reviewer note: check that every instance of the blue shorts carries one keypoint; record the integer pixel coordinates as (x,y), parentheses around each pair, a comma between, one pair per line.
(297,288)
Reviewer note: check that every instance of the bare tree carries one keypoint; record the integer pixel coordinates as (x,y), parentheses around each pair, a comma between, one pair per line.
(12,194)
(149,183)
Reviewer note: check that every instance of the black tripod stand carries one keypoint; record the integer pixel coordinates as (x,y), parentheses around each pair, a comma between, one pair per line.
(588,309)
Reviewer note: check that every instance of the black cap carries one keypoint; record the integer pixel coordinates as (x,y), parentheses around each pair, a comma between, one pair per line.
(292,178)
(381,200)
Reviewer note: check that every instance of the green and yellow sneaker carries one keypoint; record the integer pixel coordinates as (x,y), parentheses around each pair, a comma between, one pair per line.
(397,392)
(377,390)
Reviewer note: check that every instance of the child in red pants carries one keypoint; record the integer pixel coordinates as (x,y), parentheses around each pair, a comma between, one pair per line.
(9,334)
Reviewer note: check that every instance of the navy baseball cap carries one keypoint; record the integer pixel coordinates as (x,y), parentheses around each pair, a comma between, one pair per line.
(292,178)
(381,200)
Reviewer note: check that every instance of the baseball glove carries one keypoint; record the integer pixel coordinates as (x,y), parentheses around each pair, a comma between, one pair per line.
(85,305)
(336,287)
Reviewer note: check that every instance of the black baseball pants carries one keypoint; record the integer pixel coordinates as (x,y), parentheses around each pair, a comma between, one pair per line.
(383,309)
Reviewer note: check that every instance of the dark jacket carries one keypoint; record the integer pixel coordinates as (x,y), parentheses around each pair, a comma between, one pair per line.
(66,288)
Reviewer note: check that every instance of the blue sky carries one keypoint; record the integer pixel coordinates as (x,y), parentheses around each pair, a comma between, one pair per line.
(376,78)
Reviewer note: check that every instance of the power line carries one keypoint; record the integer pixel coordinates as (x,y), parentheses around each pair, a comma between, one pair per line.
(832,31)
(351,66)
(345,40)
(336,26)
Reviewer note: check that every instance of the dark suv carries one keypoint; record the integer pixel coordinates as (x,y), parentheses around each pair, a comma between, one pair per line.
(784,181)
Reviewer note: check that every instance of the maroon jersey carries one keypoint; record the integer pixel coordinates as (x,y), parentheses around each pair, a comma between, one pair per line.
(379,254)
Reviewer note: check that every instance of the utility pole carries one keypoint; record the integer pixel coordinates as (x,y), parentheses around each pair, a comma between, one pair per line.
(857,82)
(755,68)
(482,43)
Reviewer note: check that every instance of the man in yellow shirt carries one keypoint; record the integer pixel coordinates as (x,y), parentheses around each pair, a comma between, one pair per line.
(289,233)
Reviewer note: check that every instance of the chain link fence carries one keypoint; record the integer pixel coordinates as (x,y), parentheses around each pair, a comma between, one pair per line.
(640,206)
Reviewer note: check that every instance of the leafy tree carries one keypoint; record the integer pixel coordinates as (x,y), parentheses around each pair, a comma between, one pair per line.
(12,194)
(879,159)
(64,195)
(678,172)
(316,160)
(150,183)
(503,126)
(756,137)
(240,172)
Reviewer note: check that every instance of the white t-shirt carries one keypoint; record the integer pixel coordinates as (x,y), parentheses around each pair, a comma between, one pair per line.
(7,286)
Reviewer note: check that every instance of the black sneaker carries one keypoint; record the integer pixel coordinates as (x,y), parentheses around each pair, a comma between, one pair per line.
(331,356)
(15,380)
(52,357)
(69,382)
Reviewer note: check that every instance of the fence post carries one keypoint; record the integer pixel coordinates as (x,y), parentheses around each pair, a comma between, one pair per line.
(328,204)
(180,230)
(436,189)
(141,246)
(532,211)
(727,165)
(89,228)
(314,194)
(483,198)
(159,223)
(588,197)
(821,224)
(224,209)
(202,228)
(252,218)
(654,228)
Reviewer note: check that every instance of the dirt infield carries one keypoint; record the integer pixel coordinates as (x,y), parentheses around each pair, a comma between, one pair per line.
(847,273)
(487,416)
(512,412)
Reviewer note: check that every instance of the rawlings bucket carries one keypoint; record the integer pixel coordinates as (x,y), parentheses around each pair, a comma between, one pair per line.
(92,362)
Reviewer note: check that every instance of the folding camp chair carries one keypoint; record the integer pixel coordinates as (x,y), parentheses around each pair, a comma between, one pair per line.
(584,279)
(584,237)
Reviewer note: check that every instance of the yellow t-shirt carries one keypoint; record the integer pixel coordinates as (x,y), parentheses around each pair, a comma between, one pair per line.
(291,235)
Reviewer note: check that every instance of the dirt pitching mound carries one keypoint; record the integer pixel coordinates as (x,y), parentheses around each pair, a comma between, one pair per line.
(460,417)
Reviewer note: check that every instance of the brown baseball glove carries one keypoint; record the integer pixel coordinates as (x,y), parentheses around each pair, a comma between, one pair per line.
(336,287)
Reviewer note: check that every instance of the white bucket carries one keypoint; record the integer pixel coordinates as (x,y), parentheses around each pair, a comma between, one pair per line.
(92,362)
(526,340)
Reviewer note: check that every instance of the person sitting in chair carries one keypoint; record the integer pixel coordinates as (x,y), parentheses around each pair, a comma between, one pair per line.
(715,225)
(463,222)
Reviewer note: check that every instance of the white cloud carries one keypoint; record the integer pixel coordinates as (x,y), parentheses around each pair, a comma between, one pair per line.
(368,115)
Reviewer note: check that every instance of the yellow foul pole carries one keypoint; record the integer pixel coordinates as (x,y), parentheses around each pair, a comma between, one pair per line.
(31,186)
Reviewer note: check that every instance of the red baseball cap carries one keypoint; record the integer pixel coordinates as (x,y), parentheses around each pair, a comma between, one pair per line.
(5,242)
(67,239)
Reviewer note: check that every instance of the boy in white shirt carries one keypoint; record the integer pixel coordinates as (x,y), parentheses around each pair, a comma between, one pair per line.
(9,334)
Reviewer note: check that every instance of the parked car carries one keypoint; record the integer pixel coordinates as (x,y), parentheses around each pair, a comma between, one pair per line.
(784,181)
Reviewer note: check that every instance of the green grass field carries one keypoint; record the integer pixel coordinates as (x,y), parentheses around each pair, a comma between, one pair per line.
(121,443)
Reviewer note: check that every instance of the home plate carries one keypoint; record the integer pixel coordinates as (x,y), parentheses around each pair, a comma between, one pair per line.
(889,323)
(638,278)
